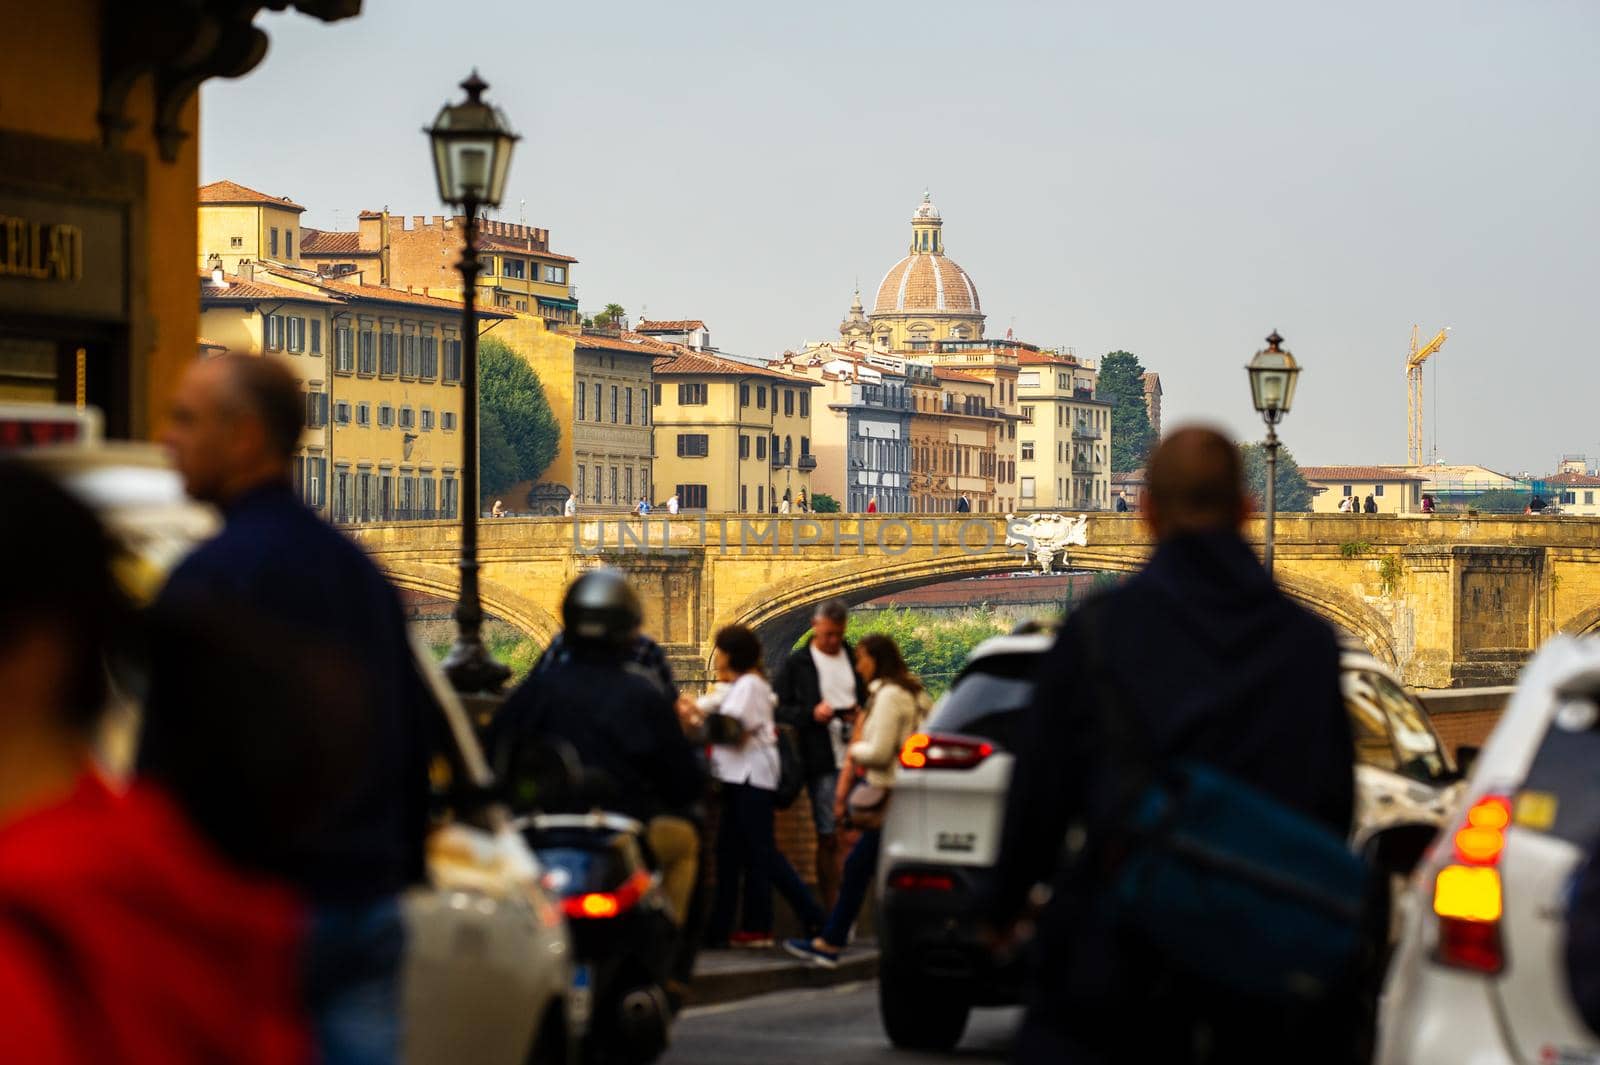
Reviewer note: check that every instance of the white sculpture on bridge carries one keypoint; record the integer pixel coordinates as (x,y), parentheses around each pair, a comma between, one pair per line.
(1046,537)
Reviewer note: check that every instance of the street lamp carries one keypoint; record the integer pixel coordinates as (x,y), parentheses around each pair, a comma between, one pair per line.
(1273,372)
(472,145)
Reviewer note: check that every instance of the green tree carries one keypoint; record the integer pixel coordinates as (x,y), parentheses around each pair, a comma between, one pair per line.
(607,317)
(518,434)
(1122,384)
(1294,494)
(823,503)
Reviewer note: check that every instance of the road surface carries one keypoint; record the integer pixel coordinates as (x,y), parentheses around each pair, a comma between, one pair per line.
(837,1025)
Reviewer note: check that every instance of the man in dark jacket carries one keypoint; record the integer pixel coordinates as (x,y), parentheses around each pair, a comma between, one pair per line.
(818,695)
(235,424)
(1212,663)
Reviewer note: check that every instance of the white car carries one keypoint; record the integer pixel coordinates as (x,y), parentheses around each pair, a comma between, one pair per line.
(941,836)
(1478,977)
(488,976)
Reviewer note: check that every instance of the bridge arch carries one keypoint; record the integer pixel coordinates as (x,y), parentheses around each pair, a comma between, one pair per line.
(1582,623)
(499,601)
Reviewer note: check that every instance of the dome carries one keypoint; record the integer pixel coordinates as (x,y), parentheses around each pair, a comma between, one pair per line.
(927,282)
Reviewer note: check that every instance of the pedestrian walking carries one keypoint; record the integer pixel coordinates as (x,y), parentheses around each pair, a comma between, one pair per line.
(125,933)
(895,706)
(235,425)
(1122,503)
(672,503)
(642,508)
(1372,505)
(963,505)
(818,694)
(783,507)
(570,507)
(749,773)
(1197,661)
(1428,506)
(1344,504)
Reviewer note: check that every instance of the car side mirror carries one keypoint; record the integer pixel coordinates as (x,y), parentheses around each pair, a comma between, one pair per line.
(1467,758)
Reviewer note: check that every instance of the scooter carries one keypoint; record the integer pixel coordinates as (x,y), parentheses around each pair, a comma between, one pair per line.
(595,862)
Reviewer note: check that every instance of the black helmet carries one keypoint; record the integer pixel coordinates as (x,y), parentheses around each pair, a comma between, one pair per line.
(601,607)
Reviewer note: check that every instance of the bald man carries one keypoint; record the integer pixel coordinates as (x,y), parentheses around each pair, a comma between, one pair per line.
(235,425)
(1212,663)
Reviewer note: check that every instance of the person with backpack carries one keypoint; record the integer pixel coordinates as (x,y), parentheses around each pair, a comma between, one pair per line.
(1195,681)
(895,707)
(749,772)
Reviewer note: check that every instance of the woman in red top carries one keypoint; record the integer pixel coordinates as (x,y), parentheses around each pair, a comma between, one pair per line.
(124,935)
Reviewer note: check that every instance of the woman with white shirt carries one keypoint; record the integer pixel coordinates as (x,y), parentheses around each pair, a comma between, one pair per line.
(748,774)
(895,705)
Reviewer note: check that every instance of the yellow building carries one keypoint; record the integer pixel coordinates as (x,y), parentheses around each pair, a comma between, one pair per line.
(925,296)
(1392,489)
(1064,436)
(993,361)
(382,370)
(99,158)
(731,437)
(954,431)
(239,225)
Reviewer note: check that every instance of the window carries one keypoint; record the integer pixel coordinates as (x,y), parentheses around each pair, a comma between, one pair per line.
(341,414)
(599,473)
(316,410)
(427,419)
(388,354)
(288,244)
(452,360)
(343,357)
(449,494)
(486,265)
(761,446)
(1027,451)
(805,446)
(655,394)
(744,498)
(408,418)
(1347,489)
(1377,489)
(408,353)
(369,353)
(1027,488)
(235,242)
(274,332)
(692,496)
(515,268)
(363,414)
(693,445)
(788,402)
(582,480)
(761,397)
(744,399)
(614,393)
(426,484)
(744,446)
(316,336)
(385,416)
(273,243)
(364,495)
(1588,498)
(614,498)
(1569,498)
(555,275)
(1027,414)
(805,403)
(761,489)
(692,395)
(627,413)
(627,478)
(430,353)
(447,420)
(599,415)
(297,334)
(583,401)
(341,493)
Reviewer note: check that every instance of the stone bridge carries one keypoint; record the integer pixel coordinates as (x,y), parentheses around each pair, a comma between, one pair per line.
(1448,601)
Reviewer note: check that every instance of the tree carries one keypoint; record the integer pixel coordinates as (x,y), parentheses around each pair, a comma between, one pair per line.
(1294,493)
(823,503)
(1499,501)
(1122,384)
(605,319)
(518,434)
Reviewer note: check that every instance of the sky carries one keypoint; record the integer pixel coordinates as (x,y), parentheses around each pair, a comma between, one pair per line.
(1168,178)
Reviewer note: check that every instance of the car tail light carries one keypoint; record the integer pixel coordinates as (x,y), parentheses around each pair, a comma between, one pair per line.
(925,751)
(1467,895)
(911,880)
(599,905)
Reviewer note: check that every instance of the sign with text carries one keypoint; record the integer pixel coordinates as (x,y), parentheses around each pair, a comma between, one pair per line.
(60,257)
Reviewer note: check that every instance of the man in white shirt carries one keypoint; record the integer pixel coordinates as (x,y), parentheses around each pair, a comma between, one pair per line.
(818,696)
(672,503)
(571,507)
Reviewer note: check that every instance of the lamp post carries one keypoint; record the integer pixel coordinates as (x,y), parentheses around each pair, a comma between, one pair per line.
(1272,378)
(472,145)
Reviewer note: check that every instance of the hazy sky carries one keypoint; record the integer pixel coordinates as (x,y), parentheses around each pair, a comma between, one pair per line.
(1175,179)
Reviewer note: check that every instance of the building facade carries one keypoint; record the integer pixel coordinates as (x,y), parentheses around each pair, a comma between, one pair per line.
(240,225)
(1064,435)
(731,437)
(1393,490)
(993,361)
(862,425)
(925,296)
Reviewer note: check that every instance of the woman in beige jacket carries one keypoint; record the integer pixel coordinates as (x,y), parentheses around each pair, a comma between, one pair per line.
(894,709)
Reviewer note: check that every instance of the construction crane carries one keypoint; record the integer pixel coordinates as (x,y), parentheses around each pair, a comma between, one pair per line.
(1414,362)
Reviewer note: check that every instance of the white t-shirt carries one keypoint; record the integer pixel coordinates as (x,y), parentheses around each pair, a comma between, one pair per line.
(672,505)
(750,699)
(836,678)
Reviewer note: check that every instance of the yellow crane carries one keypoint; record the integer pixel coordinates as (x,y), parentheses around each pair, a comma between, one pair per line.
(1414,362)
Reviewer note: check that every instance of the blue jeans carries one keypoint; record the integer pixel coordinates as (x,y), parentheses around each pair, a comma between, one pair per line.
(822,786)
(745,844)
(853,887)
(353,982)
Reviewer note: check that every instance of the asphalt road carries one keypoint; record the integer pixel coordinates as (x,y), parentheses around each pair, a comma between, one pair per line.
(837,1025)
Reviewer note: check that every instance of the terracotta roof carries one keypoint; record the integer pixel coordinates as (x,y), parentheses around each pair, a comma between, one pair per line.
(511,244)
(1042,358)
(676,326)
(1581,480)
(329,242)
(926,282)
(956,375)
(381,294)
(686,363)
(632,343)
(1129,477)
(239,290)
(1356,473)
(232,192)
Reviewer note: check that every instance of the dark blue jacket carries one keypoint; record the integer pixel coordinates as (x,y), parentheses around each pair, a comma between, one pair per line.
(1215,664)
(279,567)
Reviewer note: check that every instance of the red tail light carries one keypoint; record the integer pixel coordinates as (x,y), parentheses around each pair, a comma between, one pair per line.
(924,751)
(911,880)
(598,905)
(1467,893)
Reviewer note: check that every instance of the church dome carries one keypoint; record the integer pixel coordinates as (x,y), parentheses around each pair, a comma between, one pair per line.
(927,281)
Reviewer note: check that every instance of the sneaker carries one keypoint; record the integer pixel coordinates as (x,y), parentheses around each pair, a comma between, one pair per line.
(807,950)
(753,940)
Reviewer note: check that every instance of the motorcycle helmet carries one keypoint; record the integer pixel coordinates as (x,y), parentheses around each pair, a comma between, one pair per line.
(601,607)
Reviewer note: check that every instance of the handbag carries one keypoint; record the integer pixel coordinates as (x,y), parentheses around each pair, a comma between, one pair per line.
(1222,880)
(866,805)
